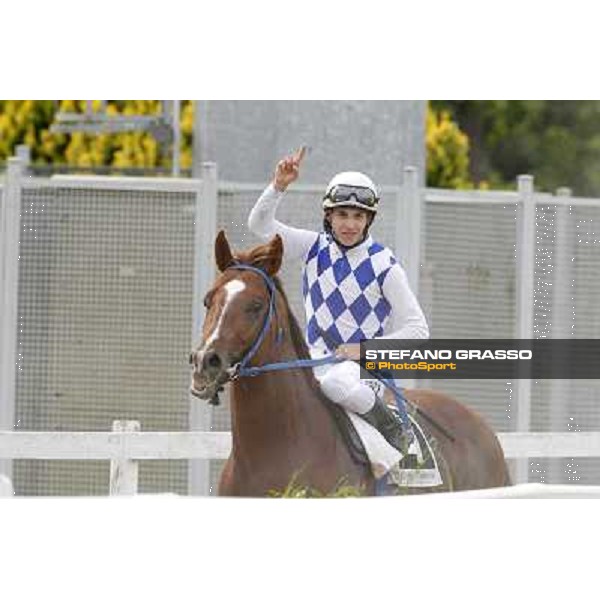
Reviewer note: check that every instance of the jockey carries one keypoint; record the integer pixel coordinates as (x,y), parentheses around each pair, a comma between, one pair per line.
(354,289)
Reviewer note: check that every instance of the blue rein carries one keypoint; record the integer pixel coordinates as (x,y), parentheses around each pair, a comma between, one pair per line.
(242,369)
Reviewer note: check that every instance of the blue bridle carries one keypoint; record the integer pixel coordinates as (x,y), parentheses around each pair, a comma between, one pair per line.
(242,369)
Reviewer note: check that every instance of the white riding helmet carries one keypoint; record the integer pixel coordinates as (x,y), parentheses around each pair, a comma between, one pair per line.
(351,188)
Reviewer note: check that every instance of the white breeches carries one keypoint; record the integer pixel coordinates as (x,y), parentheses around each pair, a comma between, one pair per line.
(342,384)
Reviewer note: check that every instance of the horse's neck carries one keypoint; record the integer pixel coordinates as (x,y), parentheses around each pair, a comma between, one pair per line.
(276,409)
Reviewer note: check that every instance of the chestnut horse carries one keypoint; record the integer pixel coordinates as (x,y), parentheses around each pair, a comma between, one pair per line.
(281,425)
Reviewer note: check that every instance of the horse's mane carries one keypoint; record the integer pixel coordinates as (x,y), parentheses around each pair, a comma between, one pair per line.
(295,330)
(299,343)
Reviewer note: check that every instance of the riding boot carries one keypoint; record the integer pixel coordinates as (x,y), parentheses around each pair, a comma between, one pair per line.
(384,420)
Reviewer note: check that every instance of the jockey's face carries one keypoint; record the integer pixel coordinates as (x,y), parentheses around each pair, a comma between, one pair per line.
(348,224)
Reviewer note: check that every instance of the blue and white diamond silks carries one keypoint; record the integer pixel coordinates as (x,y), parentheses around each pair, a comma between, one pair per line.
(343,294)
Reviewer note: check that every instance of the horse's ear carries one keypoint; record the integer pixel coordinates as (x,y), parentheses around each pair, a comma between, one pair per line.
(270,262)
(223,254)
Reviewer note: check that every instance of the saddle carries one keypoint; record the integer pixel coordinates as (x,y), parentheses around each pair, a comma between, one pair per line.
(348,432)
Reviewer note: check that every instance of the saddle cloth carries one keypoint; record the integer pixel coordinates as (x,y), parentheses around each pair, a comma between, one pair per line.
(418,468)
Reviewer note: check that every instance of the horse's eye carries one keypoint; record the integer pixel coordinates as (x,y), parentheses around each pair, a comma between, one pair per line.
(254,307)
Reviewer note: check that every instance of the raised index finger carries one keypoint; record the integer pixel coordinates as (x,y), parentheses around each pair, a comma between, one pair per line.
(300,155)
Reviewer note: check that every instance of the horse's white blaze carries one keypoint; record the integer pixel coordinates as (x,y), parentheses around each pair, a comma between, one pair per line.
(232,289)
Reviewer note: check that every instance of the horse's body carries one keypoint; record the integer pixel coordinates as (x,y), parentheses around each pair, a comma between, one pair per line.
(282,429)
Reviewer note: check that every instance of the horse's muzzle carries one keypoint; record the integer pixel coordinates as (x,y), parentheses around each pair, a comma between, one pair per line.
(206,390)
(209,373)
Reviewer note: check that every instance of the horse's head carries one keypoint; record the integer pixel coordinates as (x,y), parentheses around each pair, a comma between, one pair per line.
(236,310)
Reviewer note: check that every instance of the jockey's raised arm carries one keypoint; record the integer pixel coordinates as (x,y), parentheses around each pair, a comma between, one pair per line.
(288,170)
(262,221)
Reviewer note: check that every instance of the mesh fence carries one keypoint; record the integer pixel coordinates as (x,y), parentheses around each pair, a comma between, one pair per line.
(105,304)
(468,290)
(567,286)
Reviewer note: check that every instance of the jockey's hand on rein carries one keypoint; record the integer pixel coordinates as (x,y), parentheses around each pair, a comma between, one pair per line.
(348,351)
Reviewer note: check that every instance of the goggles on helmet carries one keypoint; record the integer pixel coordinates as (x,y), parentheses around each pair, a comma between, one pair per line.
(345,193)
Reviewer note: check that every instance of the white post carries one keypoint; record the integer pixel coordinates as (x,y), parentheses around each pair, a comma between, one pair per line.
(562,319)
(176,137)
(124,471)
(23,151)
(10,232)
(408,235)
(205,222)
(6,487)
(408,227)
(525,264)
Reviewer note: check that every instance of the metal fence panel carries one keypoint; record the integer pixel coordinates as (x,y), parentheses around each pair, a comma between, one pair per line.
(567,267)
(468,287)
(468,290)
(105,305)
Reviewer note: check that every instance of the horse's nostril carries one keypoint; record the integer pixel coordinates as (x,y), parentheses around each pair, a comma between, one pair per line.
(192,357)
(212,360)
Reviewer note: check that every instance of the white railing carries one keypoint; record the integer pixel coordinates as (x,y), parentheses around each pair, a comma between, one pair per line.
(525,490)
(6,488)
(126,444)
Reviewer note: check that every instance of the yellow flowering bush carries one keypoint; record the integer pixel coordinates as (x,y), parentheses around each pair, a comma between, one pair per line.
(28,122)
(447,149)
